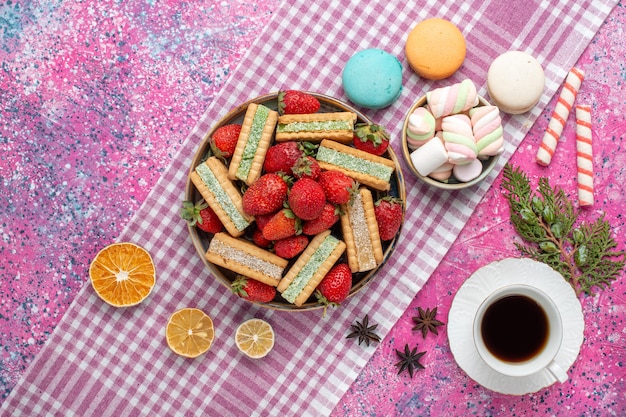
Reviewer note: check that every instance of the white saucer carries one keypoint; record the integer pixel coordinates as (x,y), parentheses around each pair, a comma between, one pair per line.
(486,280)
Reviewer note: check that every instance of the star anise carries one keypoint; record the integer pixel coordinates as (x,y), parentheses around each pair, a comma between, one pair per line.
(426,321)
(409,360)
(364,331)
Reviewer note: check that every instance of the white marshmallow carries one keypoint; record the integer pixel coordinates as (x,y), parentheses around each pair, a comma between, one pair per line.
(429,156)
(442,173)
(468,172)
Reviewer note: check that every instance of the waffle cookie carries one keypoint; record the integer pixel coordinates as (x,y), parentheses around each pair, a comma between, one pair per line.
(363,167)
(310,268)
(245,258)
(314,127)
(360,232)
(211,180)
(254,140)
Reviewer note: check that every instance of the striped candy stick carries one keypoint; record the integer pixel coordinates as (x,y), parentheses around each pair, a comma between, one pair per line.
(584,159)
(559,116)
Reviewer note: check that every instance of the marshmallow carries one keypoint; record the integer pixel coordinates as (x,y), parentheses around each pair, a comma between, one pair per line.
(459,139)
(443,173)
(487,129)
(421,127)
(452,99)
(469,171)
(429,156)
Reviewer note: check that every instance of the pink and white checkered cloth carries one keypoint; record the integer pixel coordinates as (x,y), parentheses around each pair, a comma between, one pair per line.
(115,362)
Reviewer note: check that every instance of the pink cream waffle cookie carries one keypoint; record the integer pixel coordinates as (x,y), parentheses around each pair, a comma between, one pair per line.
(244,257)
(360,232)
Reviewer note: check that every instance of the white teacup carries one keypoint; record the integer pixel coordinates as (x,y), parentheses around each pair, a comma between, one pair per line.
(504,341)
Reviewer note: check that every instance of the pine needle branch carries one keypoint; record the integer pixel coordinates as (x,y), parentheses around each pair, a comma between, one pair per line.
(583,252)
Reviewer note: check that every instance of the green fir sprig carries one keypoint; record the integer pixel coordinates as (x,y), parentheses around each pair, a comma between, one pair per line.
(583,252)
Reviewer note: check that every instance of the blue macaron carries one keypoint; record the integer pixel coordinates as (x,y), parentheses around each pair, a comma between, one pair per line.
(372,78)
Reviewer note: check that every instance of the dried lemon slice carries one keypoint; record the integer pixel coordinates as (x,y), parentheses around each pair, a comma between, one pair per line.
(255,338)
(122,274)
(189,332)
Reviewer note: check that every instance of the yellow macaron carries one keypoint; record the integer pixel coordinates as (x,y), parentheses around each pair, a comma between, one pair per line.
(435,48)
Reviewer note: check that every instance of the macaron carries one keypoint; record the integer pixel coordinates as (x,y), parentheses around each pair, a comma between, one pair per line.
(372,78)
(515,82)
(435,48)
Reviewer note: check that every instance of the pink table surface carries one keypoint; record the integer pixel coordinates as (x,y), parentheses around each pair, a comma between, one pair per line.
(83,140)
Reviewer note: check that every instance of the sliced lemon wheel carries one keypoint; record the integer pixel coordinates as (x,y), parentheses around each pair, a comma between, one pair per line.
(255,338)
(122,274)
(189,332)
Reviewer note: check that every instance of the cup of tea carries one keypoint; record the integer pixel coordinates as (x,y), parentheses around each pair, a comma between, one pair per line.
(518,331)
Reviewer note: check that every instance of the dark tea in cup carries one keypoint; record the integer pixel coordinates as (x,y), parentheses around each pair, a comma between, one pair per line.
(518,332)
(515,328)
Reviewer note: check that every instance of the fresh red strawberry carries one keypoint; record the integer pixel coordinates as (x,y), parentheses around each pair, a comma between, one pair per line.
(283,224)
(282,157)
(326,220)
(224,140)
(209,221)
(297,102)
(306,167)
(335,286)
(259,240)
(307,199)
(201,216)
(370,138)
(388,212)
(290,247)
(338,187)
(253,290)
(265,195)
(263,219)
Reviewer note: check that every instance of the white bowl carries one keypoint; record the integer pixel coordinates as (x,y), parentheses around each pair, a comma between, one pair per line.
(452,183)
